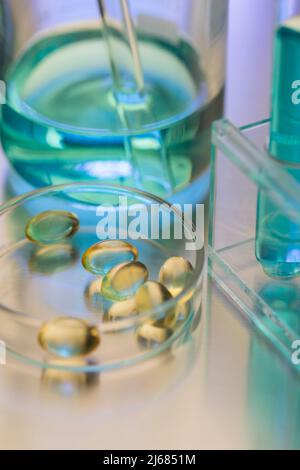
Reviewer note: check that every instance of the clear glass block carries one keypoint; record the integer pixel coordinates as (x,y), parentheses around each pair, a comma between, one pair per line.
(242,170)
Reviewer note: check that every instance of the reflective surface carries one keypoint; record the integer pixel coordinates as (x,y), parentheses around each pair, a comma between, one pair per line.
(50,259)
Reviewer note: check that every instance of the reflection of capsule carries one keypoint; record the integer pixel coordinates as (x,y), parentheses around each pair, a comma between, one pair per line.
(50,259)
(60,378)
(93,298)
(278,235)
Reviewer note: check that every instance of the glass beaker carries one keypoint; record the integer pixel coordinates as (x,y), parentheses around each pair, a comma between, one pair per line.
(64,119)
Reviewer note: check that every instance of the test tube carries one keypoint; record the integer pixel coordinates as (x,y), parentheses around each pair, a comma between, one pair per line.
(131,100)
(277,234)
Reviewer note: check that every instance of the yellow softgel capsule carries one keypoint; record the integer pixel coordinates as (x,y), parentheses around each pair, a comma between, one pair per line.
(122,310)
(69,337)
(122,281)
(51,227)
(103,256)
(52,258)
(152,334)
(175,274)
(151,295)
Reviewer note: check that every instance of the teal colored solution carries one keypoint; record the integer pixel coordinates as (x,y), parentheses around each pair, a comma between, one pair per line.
(284,299)
(277,235)
(63,122)
(273,399)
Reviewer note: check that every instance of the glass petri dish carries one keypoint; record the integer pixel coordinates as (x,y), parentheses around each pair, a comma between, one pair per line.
(35,288)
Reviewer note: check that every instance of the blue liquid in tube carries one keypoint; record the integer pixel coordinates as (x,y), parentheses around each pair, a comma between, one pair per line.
(277,235)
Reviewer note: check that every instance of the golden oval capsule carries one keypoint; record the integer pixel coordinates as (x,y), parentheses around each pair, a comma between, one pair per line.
(121,310)
(53,258)
(122,281)
(175,274)
(153,334)
(69,337)
(52,227)
(151,295)
(103,256)
(93,298)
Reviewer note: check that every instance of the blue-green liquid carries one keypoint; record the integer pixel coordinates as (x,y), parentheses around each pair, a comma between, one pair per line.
(273,399)
(277,239)
(62,120)
(277,235)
